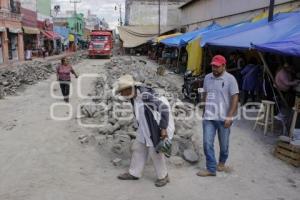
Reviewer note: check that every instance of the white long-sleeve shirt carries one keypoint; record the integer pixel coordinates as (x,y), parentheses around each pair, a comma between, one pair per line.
(143,132)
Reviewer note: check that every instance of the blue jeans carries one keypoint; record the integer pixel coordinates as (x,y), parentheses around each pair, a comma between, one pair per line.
(210,128)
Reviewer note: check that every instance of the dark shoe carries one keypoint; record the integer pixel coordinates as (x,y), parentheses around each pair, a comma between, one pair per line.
(205,173)
(127,176)
(224,168)
(162,182)
(221,167)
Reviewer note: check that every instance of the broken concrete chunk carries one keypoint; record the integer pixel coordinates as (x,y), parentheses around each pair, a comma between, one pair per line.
(84,140)
(82,137)
(117,161)
(176,161)
(190,156)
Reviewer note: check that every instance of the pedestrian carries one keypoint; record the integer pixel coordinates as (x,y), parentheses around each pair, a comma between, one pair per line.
(284,82)
(250,79)
(63,72)
(156,127)
(43,49)
(221,102)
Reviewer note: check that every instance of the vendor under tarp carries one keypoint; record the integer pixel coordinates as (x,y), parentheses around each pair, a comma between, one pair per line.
(133,36)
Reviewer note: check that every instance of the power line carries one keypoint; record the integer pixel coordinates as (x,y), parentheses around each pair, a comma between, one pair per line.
(75,2)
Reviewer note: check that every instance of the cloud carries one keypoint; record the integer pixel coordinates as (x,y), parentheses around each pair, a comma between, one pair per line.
(102,8)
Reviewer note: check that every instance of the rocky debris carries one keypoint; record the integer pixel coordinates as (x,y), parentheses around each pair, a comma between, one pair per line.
(14,77)
(2,92)
(121,126)
(177,161)
(117,161)
(101,139)
(190,156)
(83,139)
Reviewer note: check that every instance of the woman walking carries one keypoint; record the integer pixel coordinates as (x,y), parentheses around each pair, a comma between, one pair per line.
(63,72)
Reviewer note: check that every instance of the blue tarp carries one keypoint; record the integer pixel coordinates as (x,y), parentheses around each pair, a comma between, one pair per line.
(283,26)
(184,39)
(288,46)
(211,37)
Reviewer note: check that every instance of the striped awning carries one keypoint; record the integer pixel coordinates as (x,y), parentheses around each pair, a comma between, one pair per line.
(51,35)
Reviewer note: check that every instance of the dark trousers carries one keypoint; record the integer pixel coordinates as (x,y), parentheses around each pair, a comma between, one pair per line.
(247,95)
(65,88)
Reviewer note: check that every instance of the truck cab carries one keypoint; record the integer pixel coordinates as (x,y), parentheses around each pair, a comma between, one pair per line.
(101,43)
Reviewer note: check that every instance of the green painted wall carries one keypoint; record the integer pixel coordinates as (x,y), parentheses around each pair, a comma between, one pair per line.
(44,7)
(76,24)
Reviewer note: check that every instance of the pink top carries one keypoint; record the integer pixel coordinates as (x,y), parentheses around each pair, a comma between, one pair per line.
(64,72)
(284,80)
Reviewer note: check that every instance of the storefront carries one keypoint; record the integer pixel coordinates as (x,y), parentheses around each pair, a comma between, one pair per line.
(52,42)
(13,46)
(30,35)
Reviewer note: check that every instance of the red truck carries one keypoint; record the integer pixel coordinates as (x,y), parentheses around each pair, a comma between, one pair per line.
(101,43)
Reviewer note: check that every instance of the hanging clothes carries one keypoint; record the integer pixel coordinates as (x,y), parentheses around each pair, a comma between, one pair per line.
(194,56)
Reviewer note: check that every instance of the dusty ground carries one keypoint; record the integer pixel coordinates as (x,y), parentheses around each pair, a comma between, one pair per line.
(42,159)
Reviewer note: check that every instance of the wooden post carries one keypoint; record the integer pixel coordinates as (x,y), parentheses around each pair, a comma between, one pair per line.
(266,67)
(179,53)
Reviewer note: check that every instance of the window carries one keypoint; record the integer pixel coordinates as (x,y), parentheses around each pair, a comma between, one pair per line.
(99,38)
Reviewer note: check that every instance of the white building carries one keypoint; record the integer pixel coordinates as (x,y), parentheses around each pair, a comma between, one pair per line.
(198,13)
(92,21)
(145,12)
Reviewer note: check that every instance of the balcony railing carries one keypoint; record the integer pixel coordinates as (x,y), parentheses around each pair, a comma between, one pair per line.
(9,16)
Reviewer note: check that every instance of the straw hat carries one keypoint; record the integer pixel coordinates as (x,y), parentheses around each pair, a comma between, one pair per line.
(124,82)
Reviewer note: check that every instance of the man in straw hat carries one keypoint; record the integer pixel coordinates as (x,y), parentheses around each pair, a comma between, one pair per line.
(156,125)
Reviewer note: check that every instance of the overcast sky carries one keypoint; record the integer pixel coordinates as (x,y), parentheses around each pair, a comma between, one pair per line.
(102,8)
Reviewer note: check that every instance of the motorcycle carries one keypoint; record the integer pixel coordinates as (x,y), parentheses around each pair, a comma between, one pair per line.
(192,87)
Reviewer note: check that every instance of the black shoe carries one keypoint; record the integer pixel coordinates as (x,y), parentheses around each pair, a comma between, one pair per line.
(162,182)
(127,176)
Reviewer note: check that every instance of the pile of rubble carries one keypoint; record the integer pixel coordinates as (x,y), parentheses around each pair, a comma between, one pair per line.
(12,78)
(119,128)
(27,73)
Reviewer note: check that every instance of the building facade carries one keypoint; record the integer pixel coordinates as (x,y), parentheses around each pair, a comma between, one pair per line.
(145,12)
(199,13)
(44,19)
(92,22)
(76,24)
(73,23)
(31,32)
(11,37)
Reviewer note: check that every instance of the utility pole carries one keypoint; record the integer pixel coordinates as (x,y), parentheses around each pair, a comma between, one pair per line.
(271,10)
(120,8)
(159,17)
(120,12)
(75,2)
